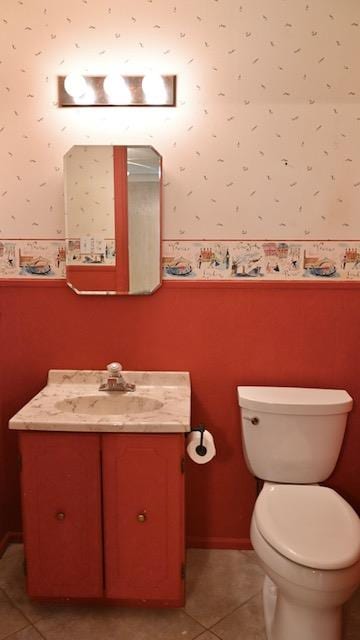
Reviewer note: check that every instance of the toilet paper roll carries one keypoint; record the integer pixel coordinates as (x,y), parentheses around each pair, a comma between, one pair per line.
(194,450)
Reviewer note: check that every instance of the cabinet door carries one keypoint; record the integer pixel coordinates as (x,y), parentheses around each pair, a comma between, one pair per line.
(143,487)
(61,491)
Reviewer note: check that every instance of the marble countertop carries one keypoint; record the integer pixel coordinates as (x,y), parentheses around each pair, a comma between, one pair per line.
(71,401)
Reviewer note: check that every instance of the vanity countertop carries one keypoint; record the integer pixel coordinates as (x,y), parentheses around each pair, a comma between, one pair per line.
(71,401)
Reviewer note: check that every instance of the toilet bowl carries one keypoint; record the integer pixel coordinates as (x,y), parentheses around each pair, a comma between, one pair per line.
(306,536)
(309,577)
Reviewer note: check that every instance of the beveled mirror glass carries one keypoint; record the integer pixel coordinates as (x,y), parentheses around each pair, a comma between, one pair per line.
(113,219)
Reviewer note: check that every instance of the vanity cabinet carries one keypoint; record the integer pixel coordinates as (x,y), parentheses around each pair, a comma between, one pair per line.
(103,516)
(61,498)
(147,517)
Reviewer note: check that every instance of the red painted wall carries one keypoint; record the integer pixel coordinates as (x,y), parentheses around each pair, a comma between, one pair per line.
(3,491)
(283,334)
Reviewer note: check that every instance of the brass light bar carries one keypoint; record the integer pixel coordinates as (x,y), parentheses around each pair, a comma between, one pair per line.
(95,95)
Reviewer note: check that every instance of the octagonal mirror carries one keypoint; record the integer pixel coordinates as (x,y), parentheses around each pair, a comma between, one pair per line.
(113,219)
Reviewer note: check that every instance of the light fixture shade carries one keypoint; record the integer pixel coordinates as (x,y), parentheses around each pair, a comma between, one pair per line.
(154,88)
(87,98)
(75,85)
(115,90)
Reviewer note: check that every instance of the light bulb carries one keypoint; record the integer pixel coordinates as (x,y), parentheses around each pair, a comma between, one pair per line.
(75,85)
(117,89)
(87,97)
(154,88)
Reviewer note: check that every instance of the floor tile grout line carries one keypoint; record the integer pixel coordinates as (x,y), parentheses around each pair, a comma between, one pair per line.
(220,619)
(13,604)
(39,632)
(233,610)
(194,619)
(16,606)
(17,631)
(210,630)
(204,628)
(207,631)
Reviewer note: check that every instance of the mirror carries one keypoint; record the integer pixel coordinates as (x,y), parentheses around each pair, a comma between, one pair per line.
(113,219)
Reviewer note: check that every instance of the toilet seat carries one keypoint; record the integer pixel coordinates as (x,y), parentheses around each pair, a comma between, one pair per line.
(309,524)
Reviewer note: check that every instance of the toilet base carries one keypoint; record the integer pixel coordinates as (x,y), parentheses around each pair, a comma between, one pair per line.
(270,594)
(284,619)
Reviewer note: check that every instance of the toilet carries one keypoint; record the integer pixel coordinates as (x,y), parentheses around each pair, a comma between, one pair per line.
(306,536)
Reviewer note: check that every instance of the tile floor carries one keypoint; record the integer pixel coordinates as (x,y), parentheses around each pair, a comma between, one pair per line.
(223,601)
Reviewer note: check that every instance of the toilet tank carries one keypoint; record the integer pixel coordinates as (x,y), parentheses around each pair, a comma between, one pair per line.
(291,434)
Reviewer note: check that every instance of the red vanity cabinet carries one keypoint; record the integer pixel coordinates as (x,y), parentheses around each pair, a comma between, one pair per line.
(144,524)
(61,499)
(103,516)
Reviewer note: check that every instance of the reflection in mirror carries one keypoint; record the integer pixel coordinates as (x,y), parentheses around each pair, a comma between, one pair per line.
(90,205)
(113,219)
(143,171)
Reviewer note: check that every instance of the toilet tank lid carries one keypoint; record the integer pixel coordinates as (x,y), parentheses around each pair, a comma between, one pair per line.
(295,400)
(309,524)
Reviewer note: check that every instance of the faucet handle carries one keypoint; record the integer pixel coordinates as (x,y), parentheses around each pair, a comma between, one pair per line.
(114,368)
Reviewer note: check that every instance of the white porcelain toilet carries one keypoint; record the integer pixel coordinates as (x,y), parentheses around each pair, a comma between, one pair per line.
(306,536)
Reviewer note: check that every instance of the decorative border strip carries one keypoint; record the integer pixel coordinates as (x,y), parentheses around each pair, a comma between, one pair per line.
(39,259)
(261,260)
(204,260)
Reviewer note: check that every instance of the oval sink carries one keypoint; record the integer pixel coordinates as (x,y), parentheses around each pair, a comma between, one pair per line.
(113,404)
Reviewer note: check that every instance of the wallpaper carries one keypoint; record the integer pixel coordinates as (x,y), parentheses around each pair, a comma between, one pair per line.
(262,147)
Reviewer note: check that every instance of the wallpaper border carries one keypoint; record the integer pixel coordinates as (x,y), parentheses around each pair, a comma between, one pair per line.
(204,260)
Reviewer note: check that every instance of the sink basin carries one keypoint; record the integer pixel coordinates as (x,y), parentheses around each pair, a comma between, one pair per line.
(114,404)
(71,401)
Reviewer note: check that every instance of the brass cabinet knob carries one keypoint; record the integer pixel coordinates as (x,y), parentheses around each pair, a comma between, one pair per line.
(60,515)
(141,517)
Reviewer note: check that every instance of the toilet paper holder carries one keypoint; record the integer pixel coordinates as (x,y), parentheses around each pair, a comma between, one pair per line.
(200,445)
(201,450)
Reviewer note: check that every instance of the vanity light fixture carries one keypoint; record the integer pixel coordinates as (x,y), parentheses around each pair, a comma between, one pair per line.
(115,90)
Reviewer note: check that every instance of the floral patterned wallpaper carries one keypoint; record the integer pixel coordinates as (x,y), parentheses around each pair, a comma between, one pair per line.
(262,150)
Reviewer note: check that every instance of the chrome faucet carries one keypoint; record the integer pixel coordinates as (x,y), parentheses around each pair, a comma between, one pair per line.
(115,381)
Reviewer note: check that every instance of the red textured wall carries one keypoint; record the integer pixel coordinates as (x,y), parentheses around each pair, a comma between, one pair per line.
(286,334)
